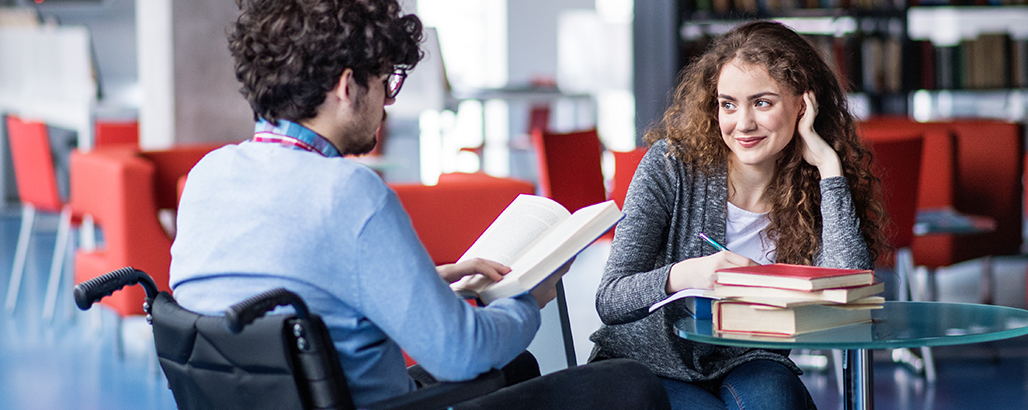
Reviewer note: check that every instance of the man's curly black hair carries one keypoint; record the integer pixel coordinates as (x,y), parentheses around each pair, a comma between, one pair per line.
(290,53)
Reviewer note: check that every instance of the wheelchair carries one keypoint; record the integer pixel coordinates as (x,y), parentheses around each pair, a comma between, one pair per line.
(249,360)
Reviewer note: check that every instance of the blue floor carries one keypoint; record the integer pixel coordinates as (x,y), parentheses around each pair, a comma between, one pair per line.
(74,363)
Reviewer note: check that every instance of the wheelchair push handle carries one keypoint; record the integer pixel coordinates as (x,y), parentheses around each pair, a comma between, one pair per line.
(243,313)
(88,292)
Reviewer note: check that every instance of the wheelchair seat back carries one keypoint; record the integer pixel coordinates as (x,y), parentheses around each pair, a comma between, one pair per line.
(276,362)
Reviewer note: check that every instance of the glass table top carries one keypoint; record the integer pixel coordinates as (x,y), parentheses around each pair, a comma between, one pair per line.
(897,324)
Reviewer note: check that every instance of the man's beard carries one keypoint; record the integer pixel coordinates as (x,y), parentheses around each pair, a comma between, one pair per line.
(365,145)
(362,147)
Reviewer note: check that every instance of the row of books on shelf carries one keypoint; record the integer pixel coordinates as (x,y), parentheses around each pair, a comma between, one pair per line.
(783,300)
(890,64)
(987,62)
(776,7)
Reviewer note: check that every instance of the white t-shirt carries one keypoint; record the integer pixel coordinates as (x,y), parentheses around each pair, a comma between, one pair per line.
(744,233)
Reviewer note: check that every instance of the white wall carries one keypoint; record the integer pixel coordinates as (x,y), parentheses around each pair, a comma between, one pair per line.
(532,36)
(111,25)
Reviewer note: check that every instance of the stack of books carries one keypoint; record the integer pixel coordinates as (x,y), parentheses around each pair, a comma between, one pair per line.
(787,300)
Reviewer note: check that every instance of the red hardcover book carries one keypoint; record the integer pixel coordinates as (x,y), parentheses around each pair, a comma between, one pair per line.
(798,277)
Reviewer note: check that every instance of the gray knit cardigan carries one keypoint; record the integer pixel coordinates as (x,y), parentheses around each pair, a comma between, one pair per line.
(668,205)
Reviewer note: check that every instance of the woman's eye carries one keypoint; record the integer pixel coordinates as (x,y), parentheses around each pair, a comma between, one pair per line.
(727,105)
(763,103)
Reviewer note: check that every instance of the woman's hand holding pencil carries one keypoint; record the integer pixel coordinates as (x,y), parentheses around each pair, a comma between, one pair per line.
(700,273)
(712,242)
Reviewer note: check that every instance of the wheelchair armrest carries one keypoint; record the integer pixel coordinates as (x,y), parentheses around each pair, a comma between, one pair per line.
(443,394)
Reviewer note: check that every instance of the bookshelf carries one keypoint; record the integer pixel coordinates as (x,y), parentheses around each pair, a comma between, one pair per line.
(980,55)
(930,62)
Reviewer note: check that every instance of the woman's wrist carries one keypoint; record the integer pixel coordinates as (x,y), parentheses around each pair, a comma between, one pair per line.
(682,276)
(831,167)
(671,286)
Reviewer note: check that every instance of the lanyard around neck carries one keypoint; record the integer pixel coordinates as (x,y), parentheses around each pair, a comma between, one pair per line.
(285,140)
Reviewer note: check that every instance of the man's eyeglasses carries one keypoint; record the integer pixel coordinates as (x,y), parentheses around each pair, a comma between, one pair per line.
(394,82)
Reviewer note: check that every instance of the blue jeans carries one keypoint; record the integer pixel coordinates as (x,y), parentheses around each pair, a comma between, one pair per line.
(760,384)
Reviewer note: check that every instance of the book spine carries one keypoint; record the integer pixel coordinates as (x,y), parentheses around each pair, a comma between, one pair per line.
(998,50)
(715,314)
(893,64)
(927,65)
(944,65)
(871,61)
(1019,63)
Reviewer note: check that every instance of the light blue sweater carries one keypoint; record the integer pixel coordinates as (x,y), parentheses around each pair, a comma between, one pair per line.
(257,216)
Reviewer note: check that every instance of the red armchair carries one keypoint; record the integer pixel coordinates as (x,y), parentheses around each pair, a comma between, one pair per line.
(570,169)
(897,162)
(109,133)
(975,167)
(452,214)
(625,163)
(123,190)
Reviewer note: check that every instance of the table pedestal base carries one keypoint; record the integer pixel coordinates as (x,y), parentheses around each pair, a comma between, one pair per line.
(859,379)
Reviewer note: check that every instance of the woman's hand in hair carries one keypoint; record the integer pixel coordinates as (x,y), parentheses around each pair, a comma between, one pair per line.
(815,150)
(700,273)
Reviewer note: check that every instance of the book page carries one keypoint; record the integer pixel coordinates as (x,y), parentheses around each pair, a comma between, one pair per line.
(564,241)
(684,293)
(519,225)
(517,228)
(560,244)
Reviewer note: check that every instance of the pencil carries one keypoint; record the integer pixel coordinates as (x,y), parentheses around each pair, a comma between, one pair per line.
(712,242)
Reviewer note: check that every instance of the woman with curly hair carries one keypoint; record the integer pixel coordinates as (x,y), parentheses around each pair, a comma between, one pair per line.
(758,151)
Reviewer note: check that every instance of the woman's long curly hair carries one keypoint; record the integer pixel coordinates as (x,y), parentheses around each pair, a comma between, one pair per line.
(290,53)
(691,129)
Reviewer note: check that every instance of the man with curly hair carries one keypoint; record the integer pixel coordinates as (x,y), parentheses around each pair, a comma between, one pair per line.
(287,209)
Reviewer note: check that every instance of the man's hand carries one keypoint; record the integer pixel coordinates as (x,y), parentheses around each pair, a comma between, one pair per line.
(547,290)
(454,271)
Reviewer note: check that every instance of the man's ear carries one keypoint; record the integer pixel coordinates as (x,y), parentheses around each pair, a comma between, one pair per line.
(345,89)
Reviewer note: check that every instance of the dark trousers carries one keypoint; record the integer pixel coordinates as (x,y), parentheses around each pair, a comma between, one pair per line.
(607,384)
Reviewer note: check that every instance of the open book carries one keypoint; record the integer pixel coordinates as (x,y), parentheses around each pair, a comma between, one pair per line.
(534,236)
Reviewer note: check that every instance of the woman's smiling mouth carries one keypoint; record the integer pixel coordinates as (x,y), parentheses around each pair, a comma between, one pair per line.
(749,142)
